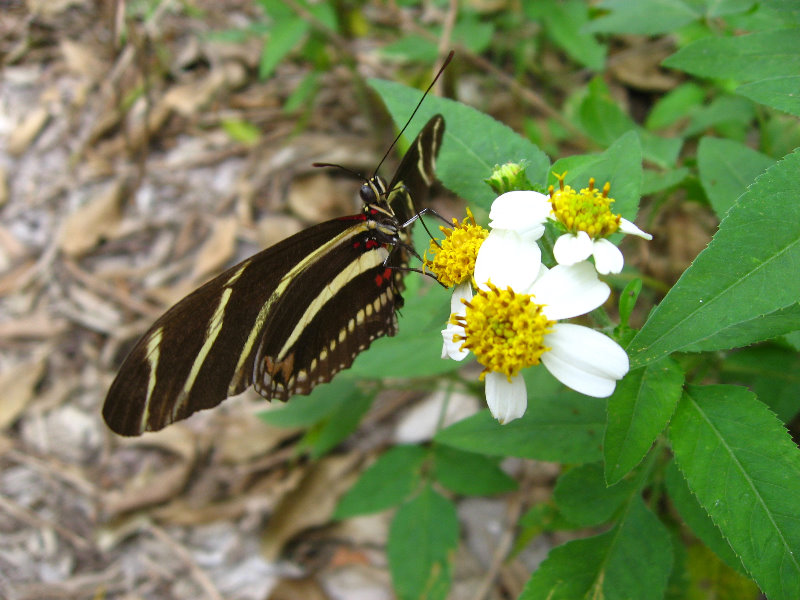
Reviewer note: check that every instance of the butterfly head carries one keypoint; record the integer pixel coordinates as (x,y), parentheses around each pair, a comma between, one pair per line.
(373,191)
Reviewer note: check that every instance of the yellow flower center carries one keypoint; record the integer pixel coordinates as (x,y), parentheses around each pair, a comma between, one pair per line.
(453,260)
(504,330)
(588,210)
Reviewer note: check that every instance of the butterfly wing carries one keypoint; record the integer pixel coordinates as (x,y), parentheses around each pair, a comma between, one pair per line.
(412,182)
(285,319)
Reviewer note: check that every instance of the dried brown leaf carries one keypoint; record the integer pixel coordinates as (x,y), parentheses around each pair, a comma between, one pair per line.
(18,385)
(41,324)
(217,249)
(30,127)
(96,219)
(311,503)
(82,58)
(245,438)
(291,589)
(3,186)
(318,197)
(140,493)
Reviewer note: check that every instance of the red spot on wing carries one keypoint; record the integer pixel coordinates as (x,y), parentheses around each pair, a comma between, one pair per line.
(380,278)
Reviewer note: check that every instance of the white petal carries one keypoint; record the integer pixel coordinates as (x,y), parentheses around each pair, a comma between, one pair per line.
(626,226)
(522,211)
(584,359)
(450,348)
(568,292)
(506,260)
(461,291)
(506,399)
(607,257)
(572,248)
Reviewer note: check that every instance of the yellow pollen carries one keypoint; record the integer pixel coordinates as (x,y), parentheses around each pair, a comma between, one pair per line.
(588,210)
(453,259)
(504,330)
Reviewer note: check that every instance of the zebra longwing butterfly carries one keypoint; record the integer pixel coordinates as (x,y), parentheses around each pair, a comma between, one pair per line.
(285,319)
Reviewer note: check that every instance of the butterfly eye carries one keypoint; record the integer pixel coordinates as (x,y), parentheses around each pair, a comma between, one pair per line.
(367,194)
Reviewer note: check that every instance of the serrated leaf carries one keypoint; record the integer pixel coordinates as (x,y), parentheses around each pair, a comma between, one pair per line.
(469,473)
(726,168)
(755,249)
(771,372)
(638,411)
(583,497)
(422,539)
(473,142)
(697,518)
(633,560)
(744,469)
(386,483)
(742,57)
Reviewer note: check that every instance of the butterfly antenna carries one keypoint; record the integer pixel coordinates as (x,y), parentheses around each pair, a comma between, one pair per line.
(335,166)
(435,79)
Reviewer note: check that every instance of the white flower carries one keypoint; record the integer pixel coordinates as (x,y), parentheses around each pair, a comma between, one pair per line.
(581,358)
(509,253)
(586,217)
(572,248)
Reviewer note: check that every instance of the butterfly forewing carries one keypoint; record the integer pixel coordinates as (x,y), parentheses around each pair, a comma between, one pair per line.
(284,320)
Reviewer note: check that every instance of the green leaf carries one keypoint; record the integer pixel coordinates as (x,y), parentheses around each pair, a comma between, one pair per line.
(620,165)
(678,104)
(341,422)
(627,300)
(726,169)
(386,483)
(563,22)
(731,112)
(540,518)
(754,251)
(605,122)
(633,560)
(716,579)
(282,40)
(644,17)
(777,92)
(638,411)
(469,473)
(240,131)
(583,497)
(473,142)
(744,469)
(697,518)
(751,57)
(422,539)
(659,181)
(771,372)
(559,426)
(305,411)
